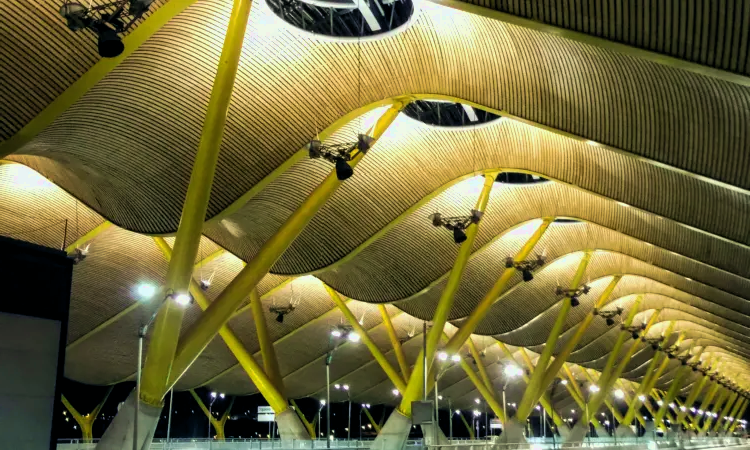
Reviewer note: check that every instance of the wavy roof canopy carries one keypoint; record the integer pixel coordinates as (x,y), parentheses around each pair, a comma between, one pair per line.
(646,156)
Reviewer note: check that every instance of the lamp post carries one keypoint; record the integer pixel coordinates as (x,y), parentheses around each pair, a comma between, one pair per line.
(443,358)
(510,371)
(345,388)
(214,395)
(322,404)
(337,334)
(593,389)
(450,421)
(363,406)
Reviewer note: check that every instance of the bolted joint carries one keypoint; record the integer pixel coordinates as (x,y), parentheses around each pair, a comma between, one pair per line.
(340,154)
(526,267)
(457,224)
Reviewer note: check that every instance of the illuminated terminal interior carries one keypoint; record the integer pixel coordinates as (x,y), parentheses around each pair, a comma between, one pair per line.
(383,224)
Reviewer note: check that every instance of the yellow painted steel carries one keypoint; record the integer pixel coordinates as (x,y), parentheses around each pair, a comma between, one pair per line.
(535,387)
(470,324)
(738,414)
(395,378)
(545,401)
(86,422)
(628,392)
(88,236)
(466,424)
(725,411)
(733,414)
(649,380)
(672,392)
(480,364)
(259,378)
(694,392)
(226,303)
(270,362)
(606,379)
(570,344)
(707,399)
(209,258)
(395,343)
(573,388)
(218,423)
(415,386)
(309,426)
(375,425)
(723,395)
(163,346)
(486,393)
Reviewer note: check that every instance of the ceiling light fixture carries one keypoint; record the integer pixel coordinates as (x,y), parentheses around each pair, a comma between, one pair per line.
(526,267)
(340,154)
(609,316)
(573,294)
(457,224)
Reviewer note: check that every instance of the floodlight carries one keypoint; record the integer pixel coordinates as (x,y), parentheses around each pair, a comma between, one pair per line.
(619,394)
(146,291)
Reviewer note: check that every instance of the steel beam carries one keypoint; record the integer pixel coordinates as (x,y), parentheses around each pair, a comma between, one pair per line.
(480,364)
(163,345)
(395,343)
(86,422)
(536,387)
(723,395)
(257,375)
(395,378)
(375,425)
(738,415)
(652,374)
(570,344)
(217,423)
(466,424)
(673,390)
(545,400)
(469,325)
(695,391)
(695,420)
(415,387)
(88,236)
(725,411)
(309,426)
(224,306)
(270,362)
(486,393)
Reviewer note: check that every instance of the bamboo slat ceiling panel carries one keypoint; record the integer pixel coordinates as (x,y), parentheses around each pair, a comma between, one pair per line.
(711,33)
(154,101)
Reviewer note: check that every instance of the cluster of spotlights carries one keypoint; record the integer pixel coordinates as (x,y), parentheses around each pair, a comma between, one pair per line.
(443,356)
(345,332)
(526,267)
(634,330)
(79,254)
(146,291)
(573,294)
(609,316)
(108,21)
(340,154)
(512,371)
(457,225)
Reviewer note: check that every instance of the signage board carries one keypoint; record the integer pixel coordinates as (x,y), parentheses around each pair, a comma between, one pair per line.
(265,410)
(266,417)
(495,424)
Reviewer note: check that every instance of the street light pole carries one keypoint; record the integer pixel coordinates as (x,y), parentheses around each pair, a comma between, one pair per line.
(450,422)
(328,400)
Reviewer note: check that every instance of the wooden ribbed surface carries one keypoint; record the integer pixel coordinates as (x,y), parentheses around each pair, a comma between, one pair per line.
(153,104)
(711,33)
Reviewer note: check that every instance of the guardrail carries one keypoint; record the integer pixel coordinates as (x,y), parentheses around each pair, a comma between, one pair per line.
(642,443)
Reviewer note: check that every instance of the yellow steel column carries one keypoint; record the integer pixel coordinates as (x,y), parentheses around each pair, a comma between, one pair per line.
(309,426)
(723,394)
(405,371)
(695,391)
(395,378)
(725,411)
(166,329)
(738,415)
(610,374)
(88,236)
(695,420)
(224,306)
(570,344)
(466,424)
(86,422)
(372,421)
(733,414)
(259,378)
(480,364)
(486,393)
(415,386)
(217,423)
(470,324)
(535,387)
(545,400)
(270,363)
(672,393)
(650,378)
(572,386)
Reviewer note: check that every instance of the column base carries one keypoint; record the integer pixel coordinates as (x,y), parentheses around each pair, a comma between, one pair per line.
(577,435)
(564,432)
(394,433)
(513,433)
(625,431)
(428,431)
(119,433)
(291,427)
(601,432)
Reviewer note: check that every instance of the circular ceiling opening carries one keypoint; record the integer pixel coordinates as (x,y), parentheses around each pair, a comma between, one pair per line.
(518,178)
(344,18)
(447,114)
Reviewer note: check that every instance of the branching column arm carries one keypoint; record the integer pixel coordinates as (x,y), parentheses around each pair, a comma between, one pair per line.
(215,422)
(545,400)
(536,387)
(725,411)
(268,353)
(415,384)
(372,421)
(198,336)
(693,395)
(466,424)
(559,362)
(672,392)
(400,357)
(738,415)
(160,356)
(695,420)
(309,426)
(87,422)
(480,364)
(395,378)
(723,395)
(251,367)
